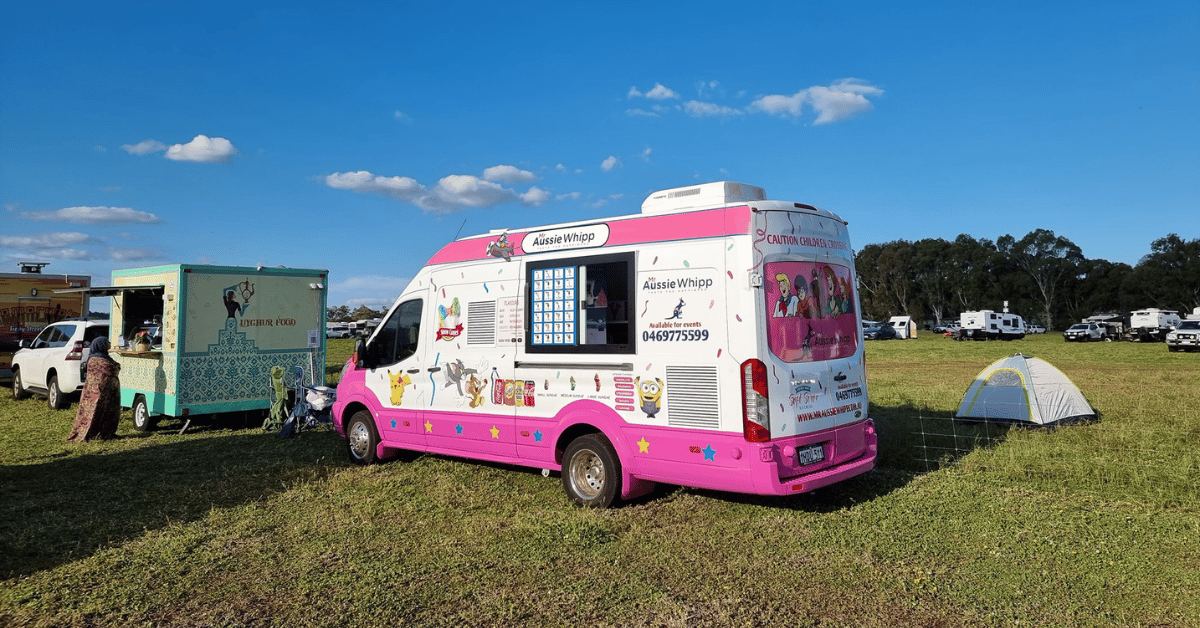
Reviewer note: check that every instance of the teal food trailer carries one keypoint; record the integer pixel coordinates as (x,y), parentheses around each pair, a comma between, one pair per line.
(214,334)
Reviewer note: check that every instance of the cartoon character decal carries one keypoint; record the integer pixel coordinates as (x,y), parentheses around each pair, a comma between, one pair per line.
(475,388)
(399,382)
(454,374)
(650,394)
(501,248)
(232,308)
(678,310)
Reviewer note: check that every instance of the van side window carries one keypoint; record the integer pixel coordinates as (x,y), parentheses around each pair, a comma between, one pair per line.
(580,305)
(398,337)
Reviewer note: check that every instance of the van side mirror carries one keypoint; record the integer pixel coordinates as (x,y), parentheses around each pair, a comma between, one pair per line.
(362,360)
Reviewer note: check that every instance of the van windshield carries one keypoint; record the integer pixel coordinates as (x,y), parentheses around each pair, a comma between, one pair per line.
(810,311)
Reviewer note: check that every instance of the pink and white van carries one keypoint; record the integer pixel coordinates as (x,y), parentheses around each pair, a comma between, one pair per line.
(712,340)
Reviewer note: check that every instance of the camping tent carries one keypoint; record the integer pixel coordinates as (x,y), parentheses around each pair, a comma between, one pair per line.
(1023,388)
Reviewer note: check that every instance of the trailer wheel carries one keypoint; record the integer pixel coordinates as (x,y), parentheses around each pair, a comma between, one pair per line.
(54,395)
(591,472)
(143,421)
(18,391)
(362,440)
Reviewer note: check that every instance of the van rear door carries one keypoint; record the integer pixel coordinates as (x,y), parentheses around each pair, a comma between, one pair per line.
(811,343)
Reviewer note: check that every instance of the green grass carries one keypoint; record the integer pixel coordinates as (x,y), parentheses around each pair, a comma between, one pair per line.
(1094,524)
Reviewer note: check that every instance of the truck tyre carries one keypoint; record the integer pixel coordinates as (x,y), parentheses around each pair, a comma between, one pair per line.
(143,421)
(17,391)
(362,440)
(591,472)
(54,395)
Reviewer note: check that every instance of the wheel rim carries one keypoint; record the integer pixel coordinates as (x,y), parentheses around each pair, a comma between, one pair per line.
(54,394)
(141,416)
(587,473)
(360,441)
(16,384)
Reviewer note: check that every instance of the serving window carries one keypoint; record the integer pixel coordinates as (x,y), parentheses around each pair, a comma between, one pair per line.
(580,305)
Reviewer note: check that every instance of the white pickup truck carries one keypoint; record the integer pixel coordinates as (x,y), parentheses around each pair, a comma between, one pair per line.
(1185,336)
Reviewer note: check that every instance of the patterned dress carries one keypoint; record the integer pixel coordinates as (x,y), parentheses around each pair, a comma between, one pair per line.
(100,403)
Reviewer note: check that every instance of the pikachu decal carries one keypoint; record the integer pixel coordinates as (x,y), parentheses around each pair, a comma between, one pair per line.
(650,394)
(399,381)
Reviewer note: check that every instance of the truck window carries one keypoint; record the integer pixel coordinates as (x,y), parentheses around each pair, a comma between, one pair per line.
(810,311)
(397,338)
(580,305)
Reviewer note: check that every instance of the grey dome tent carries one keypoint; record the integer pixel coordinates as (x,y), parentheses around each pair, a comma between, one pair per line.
(1022,388)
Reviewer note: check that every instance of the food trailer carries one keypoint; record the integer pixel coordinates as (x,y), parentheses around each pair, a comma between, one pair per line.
(194,339)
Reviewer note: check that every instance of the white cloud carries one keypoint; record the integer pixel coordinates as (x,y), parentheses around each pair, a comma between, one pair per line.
(401,116)
(134,254)
(203,149)
(642,113)
(453,193)
(374,291)
(508,174)
(569,195)
(840,100)
(658,92)
(94,215)
(646,154)
(44,240)
(698,109)
(610,163)
(560,168)
(535,197)
(144,147)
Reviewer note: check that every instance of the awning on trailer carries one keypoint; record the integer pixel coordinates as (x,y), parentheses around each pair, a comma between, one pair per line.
(112,291)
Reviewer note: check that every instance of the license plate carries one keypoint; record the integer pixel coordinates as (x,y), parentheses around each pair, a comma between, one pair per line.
(810,454)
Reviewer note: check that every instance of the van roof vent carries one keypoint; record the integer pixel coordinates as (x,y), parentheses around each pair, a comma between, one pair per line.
(701,196)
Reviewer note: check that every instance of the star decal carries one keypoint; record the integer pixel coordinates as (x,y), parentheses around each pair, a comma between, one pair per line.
(495,432)
(458,428)
(643,446)
(393,423)
(428,426)
(709,453)
(537,436)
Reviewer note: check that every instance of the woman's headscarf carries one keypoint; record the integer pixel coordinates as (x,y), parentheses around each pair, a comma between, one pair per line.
(99,348)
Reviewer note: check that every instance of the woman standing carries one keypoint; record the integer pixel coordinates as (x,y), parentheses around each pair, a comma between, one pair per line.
(100,402)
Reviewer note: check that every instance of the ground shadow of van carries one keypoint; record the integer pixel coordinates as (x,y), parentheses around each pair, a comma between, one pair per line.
(67,508)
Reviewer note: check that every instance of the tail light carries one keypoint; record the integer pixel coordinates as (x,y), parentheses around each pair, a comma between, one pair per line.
(76,351)
(756,409)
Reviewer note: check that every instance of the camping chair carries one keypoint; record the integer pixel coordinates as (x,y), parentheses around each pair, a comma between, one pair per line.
(278,412)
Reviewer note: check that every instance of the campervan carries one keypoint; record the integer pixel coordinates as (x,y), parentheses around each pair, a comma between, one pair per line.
(1151,324)
(712,340)
(990,325)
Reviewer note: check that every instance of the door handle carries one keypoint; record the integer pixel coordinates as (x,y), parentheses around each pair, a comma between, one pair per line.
(414,370)
(434,369)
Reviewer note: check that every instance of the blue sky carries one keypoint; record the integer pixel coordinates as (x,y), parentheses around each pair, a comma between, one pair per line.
(360,137)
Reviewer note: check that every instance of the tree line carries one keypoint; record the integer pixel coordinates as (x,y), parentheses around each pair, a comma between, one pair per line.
(343,313)
(1044,277)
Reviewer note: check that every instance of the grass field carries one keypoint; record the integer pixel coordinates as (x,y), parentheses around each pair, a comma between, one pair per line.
(1086,525)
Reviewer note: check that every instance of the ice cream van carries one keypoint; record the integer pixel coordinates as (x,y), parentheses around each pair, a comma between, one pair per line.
(712,340)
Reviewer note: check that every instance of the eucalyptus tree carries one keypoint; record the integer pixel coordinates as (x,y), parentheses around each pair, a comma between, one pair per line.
(1048,260)
(1169,276)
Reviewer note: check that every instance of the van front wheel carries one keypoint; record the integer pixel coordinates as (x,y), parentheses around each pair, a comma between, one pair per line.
(362,441)
(591,471)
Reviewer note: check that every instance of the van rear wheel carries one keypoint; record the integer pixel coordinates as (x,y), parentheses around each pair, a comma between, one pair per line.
(591,471)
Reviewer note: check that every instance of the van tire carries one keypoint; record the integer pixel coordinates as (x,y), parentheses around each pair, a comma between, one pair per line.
(54,395)
(591,472)
(362,439)
(143,421)
(18,392)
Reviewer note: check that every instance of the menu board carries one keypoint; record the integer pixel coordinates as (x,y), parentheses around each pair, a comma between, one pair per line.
(554,298)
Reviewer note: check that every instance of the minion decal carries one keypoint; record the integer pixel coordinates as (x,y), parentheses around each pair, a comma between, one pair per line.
(650,394)
(399,381)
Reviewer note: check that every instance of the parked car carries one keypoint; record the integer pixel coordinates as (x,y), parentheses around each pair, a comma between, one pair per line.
(54,364)
(1085,332)
(1185,336)
(879,331)
(1034,328)
(337,332)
